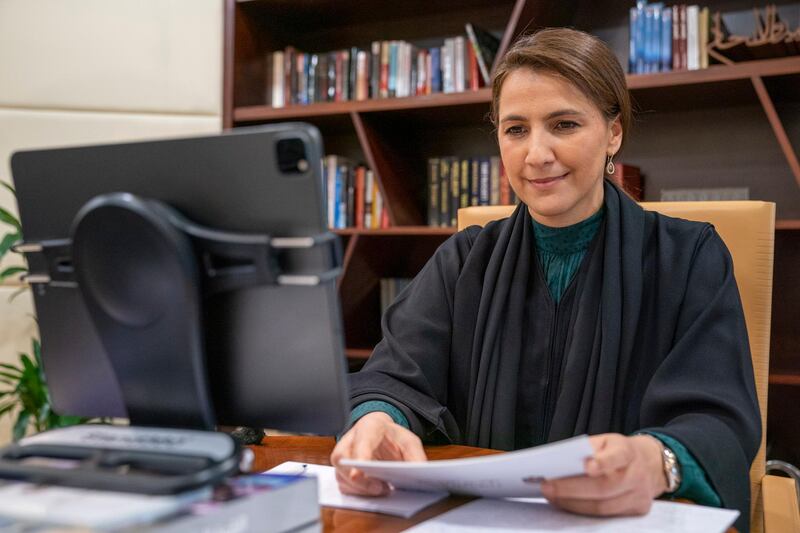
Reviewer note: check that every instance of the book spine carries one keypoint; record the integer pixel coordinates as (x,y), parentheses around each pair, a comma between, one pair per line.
(484,69)
(464,185)
(666,39)
(332,76)
(311,78)
(338,77)
(330,180)
(350,199)
(460,64)
(369,195)
(393,45)
(353,73)
(444,192)
(455,182)
(436,70)
(362,75)
(428,72)
(289,78)
(633,15)
(494,179)
(640,37)
(359,196)
(474,182)
(433,191)
(375,70)
(277,79)
(704,30)
(484,184)
(301,77)
(474,73)
(684,45)
(422,73)
(692,37)
(447,66)
(377,204)
(676,37)
(384,74)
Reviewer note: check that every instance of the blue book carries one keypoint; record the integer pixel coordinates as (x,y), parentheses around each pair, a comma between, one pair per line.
(666,39)
(640,37)
(632,42)
(436,69)
(650,54)
(337,203)
(393,69)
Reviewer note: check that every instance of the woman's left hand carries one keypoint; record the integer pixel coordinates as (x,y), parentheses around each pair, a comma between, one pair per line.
(622,478)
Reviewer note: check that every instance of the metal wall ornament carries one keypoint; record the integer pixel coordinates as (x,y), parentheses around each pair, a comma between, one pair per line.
(772,38)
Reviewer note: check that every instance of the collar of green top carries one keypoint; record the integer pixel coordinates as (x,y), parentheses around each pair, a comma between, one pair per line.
(569,239)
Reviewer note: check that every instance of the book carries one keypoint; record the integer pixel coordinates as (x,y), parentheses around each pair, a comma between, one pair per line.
(269,503)
(485,46)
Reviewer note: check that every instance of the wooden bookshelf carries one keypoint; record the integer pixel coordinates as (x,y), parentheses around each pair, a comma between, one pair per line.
(724,126)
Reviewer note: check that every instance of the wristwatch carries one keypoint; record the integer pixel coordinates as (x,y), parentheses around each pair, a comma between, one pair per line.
(672,469)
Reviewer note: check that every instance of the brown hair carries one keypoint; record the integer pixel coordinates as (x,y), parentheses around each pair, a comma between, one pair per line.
(580,58)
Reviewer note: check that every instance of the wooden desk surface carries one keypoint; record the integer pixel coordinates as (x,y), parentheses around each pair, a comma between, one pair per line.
(317,450)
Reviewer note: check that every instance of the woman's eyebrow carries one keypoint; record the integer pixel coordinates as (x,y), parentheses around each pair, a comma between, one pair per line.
(562,112)
(549,116)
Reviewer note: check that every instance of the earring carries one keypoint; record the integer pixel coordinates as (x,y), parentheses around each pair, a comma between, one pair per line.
(610,168)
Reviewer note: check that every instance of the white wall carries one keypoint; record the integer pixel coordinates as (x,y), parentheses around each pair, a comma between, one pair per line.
(86,71)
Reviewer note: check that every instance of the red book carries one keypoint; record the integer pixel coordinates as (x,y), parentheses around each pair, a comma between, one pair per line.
(384,79)
(630,179)
(474,74)
(384,218)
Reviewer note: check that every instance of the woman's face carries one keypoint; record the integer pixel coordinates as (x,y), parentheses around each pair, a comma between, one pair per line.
(554,142)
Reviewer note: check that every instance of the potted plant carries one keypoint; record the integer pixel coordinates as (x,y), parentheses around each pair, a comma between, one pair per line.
(23,387)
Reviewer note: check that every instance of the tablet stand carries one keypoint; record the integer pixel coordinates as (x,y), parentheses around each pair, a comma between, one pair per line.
(143,271)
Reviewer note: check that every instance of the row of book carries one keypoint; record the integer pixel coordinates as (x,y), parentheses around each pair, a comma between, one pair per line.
(664,38)
(388,69)
(353,195)
(455,182)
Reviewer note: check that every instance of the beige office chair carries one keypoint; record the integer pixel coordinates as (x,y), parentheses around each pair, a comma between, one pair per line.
(748,229)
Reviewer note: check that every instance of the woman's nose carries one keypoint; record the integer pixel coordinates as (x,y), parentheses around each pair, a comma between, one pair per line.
(539,153)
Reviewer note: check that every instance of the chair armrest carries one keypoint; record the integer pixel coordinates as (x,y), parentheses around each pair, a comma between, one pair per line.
(781,514)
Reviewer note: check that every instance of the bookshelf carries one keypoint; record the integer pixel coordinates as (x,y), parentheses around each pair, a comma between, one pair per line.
(723,126)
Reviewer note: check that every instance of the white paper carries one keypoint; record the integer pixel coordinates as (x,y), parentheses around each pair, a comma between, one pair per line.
(401,503)
(511,474)
(537,515)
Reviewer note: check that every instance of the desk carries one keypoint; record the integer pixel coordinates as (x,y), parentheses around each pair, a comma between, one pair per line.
(317,450)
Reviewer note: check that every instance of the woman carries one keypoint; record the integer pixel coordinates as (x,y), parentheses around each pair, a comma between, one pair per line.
(580,313)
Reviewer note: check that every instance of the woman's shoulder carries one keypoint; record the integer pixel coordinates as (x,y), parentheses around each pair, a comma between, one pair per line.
(683,237)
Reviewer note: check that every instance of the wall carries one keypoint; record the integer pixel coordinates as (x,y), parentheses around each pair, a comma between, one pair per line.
(87,71)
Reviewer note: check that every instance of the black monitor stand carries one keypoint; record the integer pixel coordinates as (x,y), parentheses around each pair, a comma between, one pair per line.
(143,271)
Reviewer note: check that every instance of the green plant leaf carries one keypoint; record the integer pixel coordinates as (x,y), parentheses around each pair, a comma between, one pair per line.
(11,220)
(8,187)
(11,368)
(12,379)
(9,240)
(6,408)
(21,425)
(28,364)
(10,271)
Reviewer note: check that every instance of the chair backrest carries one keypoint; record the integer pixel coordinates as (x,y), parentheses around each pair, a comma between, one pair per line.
(748,230)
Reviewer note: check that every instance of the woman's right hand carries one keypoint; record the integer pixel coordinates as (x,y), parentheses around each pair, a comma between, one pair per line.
(375,436)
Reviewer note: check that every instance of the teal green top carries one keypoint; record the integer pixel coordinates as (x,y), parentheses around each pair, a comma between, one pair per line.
(560,252)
